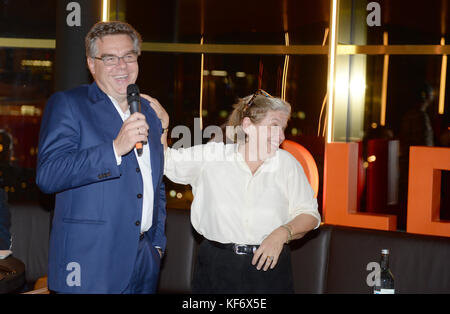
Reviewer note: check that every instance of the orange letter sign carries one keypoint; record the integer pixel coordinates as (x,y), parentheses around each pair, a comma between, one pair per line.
(340,191)
(424,190)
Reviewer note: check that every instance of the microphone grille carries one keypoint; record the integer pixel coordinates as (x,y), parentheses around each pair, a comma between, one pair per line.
(132,90)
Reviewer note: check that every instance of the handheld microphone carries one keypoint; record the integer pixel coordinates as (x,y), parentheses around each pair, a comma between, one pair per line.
(133,99)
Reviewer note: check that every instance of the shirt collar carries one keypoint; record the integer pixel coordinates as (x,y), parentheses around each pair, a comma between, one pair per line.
(123,115)
(269,164)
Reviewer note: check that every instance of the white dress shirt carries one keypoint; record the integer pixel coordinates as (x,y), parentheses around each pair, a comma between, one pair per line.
(232,205)
(146,172)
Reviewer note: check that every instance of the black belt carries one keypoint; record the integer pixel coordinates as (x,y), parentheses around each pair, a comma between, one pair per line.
(239,249)
(141,236)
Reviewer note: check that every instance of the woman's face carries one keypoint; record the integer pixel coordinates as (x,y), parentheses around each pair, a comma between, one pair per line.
(266,136)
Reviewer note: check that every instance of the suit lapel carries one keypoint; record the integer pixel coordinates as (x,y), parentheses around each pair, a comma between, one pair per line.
(106,114)
(154,141)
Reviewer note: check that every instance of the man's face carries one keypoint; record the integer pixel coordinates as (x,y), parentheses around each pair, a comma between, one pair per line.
(113,80)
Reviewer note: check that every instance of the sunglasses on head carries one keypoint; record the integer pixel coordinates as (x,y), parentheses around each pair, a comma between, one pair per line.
(258,92)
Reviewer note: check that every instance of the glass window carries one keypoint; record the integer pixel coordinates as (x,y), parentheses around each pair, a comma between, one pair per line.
(26,81)
(229,22)
(411,22)
(28,18)
(174,79)
(405,75)
(411,118)
(229,77)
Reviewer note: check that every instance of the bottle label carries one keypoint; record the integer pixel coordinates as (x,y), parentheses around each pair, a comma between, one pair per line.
(385,291)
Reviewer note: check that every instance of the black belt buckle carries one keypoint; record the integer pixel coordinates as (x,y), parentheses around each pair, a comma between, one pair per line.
(141,236)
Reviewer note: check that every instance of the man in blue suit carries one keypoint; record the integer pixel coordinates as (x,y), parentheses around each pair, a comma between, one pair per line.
(108,228)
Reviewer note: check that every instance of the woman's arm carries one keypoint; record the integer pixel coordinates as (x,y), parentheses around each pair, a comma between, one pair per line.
(299,226)
(273,244)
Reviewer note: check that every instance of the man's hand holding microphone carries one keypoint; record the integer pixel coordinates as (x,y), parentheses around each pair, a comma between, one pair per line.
(134,131)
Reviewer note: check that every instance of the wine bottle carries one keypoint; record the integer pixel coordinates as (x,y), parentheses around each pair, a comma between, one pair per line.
(385,283)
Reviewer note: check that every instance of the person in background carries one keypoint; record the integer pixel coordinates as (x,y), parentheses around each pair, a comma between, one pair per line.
(415,130)
(108,232)
(5,174)
(250,199)
(5,222)
(416,127)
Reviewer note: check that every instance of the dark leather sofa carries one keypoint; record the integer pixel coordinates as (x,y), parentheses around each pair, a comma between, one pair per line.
(331,259)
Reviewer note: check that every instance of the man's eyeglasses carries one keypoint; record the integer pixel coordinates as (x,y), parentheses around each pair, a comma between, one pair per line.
(258,92)
(111,60)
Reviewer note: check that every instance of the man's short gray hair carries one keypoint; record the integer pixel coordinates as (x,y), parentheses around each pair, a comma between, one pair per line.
(101,29)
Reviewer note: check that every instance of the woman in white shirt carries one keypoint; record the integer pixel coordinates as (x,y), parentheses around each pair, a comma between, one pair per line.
(250,199)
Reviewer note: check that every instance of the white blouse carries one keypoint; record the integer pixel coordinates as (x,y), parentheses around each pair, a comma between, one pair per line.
(231,205)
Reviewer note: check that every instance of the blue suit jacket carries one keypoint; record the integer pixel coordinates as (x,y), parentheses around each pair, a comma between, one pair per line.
(96,224)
